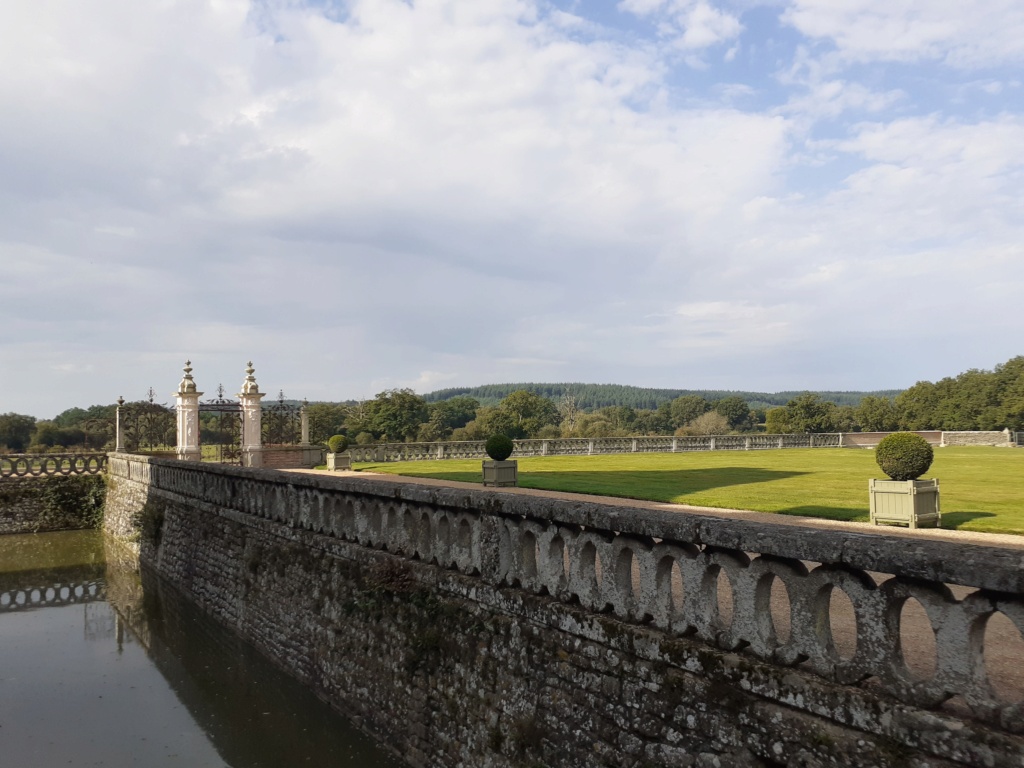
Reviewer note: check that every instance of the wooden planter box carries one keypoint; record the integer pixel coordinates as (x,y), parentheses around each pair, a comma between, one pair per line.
(914,503)
(339,461)
(501,473)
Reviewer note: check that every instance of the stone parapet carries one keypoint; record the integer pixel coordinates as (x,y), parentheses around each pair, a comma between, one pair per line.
(997,439)
(486,628)
(18,465)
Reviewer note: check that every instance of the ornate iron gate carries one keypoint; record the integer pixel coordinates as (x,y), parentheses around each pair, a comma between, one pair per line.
(220,429)
(147,426)
(282,423)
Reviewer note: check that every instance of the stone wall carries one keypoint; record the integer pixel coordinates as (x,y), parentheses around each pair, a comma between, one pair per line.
(292,456)
(871,439)
(998,439)
(488,629)
(50,503)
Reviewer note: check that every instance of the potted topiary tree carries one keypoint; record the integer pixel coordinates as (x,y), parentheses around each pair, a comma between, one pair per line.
(498,471)
(904,499)
(337,457)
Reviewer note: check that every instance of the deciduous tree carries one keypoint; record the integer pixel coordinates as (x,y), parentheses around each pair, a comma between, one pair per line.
(710,423)
(529,412)
(16,431)
(397,414)
(685,409)
(877,414)
(809,413)
(736,412)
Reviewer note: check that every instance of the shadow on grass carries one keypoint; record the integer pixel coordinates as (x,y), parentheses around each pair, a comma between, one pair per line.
(950,520)
(654,485)
(843,514)
(957,519)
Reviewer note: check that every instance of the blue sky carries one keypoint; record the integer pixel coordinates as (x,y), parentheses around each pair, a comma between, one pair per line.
(366,194)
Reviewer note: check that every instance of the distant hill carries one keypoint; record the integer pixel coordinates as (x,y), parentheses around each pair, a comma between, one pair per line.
(594,396)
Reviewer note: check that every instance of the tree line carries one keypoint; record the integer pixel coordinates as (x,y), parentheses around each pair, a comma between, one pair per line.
(973,400)
(592,397)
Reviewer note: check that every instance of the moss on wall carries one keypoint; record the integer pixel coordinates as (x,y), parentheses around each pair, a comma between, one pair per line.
(33,505)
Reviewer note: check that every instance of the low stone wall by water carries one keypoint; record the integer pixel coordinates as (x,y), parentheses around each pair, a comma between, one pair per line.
(491,629)
(50,503)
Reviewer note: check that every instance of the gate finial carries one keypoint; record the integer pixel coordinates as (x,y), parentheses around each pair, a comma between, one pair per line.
(249,386)
(187,385)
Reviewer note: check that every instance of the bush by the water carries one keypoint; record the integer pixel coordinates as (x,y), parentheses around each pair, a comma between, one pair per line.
(498,447)
(337,443)
(904,455)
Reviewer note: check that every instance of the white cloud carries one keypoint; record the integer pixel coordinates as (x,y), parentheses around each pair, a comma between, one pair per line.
(692,25)
(437,193)
(957,33)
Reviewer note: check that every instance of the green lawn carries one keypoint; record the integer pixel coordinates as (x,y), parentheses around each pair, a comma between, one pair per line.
(982,488)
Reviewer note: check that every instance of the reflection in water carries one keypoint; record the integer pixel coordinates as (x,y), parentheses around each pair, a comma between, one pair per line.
(143,677)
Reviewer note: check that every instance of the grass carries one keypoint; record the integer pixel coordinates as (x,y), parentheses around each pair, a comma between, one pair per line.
(982,488)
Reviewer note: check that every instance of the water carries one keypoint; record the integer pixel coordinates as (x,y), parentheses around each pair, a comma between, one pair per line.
(127,672)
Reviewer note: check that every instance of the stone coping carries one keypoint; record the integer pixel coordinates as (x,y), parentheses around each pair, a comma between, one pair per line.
(986,561)
(989,561)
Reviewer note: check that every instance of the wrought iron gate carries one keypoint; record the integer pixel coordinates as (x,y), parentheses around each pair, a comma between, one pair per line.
(147,426)
(220,429)
(282,423)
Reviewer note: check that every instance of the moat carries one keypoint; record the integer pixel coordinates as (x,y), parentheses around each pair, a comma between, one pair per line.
(101,665)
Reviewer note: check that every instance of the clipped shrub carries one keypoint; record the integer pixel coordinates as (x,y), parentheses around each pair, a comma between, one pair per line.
(337,443)
(499,447)
(904,455)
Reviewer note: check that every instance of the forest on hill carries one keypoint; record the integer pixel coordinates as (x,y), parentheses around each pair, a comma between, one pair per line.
(591,397)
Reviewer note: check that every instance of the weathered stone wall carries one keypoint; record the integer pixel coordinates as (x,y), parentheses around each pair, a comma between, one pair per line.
(487,629)
(292,456)
(50,503)
(128,492)
(998,439)
(871,439)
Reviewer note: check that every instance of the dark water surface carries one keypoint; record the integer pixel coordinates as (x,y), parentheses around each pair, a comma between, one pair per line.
(103,666)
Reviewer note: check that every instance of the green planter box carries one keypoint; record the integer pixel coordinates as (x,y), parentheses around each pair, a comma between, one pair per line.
(339,461)
(501,473)
(914,503)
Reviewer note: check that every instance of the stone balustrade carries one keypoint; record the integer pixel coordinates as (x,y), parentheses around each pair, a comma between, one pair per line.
(583,446)
(690,575)
(17,465)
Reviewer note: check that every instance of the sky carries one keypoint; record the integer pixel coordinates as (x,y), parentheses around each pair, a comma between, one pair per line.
(359,195)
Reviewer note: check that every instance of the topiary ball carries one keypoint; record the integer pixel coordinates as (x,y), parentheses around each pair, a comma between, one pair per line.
(904,455)
(498,447)
(337,443)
